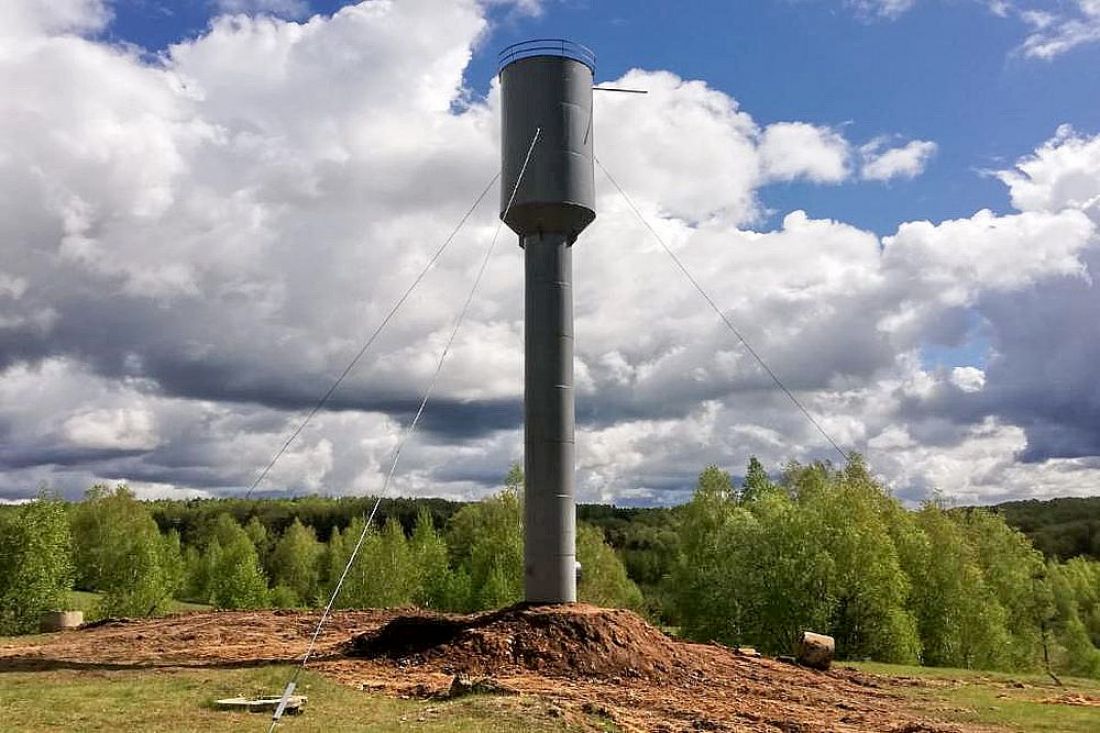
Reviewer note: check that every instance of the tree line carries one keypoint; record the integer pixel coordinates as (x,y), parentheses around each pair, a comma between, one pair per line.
(1061,528)
(111,544)
(831,550)
(819,547)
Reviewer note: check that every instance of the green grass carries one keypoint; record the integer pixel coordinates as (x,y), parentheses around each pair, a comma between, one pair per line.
(1012,701)
(180,700)
(88,603)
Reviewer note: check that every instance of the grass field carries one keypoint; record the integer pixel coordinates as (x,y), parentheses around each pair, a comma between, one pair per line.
(1019,702)
(180,700)
(88,603)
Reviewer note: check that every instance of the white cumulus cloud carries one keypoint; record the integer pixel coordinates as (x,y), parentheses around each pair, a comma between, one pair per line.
(968,378)
(879,163)
(792,150)
(1063,173)
(192,249)
(21,18)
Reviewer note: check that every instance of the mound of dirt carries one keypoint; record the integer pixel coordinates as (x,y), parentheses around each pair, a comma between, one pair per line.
(558,641)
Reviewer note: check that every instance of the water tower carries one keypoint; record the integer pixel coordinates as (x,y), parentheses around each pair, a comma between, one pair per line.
(546,85)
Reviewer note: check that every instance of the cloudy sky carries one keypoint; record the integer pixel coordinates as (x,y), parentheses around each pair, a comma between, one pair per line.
(207,205)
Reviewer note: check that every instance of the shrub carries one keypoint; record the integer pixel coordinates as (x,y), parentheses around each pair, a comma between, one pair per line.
(36,567)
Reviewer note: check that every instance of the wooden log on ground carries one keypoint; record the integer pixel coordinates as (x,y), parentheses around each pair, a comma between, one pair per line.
(815,650)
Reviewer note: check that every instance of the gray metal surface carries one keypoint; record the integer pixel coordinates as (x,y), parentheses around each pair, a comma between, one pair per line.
(557,194)
(549,516)
(554,202)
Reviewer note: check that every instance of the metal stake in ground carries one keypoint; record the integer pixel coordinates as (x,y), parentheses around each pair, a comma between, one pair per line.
(548,86)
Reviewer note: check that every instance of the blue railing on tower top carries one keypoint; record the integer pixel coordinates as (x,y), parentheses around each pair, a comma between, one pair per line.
(546,47)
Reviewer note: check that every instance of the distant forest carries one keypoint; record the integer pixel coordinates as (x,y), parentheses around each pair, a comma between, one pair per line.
(1059,528)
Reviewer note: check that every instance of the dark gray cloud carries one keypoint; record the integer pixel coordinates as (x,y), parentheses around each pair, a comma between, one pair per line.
(1044,375)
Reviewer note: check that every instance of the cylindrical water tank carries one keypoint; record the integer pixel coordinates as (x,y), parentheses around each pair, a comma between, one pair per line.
(546,85)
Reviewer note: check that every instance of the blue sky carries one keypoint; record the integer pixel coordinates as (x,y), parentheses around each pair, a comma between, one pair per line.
(945,70)
(204,204)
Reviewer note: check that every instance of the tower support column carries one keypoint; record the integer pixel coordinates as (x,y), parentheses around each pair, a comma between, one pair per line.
(549,513)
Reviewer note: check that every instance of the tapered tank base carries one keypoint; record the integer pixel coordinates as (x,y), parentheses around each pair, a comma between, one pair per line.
(550,574)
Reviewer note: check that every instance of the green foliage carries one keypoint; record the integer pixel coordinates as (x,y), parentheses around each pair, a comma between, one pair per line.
(383,574)
(295,566)
(486,541)
(173,564)
(283,596)
(36,567)
(750,573)
(1059,528)
(258,534)
(787,573)
(121,553)
(604,581)
(756,481)
(961,622)
(830,550)
(1015,573)
(194,518)
(231,568)
(716,482)
(714,533)
(437,586)
(198,569)
(869,590)
(514,480)
(486,546)
(1075,588)
(647,541)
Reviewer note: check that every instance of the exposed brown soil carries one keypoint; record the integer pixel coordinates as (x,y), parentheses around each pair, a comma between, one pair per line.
(588,661)
(1084,701)
(573,642)
(213,639)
